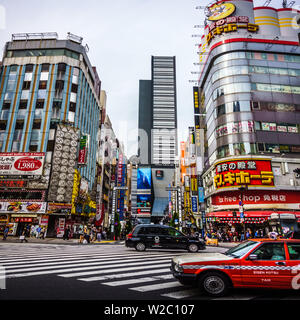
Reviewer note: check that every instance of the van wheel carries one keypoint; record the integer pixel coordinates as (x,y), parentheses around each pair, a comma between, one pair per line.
(140,246)
(193,248)
(214,284)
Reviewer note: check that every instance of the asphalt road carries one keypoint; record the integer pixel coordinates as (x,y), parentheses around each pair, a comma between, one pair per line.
(106,273)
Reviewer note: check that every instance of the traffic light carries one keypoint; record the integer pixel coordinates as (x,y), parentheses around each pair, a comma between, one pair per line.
(234,214)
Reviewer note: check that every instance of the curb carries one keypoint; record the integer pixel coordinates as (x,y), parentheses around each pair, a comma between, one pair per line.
(58,241)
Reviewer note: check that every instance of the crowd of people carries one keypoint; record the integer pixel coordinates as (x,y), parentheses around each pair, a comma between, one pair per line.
(224,235)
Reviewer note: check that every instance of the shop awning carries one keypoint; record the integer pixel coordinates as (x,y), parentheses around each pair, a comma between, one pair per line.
(159,206)
(249,214)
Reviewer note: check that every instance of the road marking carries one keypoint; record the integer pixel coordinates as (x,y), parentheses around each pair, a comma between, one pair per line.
(79,274)
(138,280)
(59,262)
(159,286)
(182,294)
(124,275)
(235,297)
(96,265)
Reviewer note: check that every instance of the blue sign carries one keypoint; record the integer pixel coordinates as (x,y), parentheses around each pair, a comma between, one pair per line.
(194,204)
(201,194)
(242,215)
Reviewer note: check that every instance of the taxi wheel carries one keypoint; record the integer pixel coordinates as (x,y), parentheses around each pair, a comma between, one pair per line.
(140,246)
(214,284)
(193,248)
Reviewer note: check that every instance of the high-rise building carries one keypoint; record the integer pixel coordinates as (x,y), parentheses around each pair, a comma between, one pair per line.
(158,132)
(249,93)
(49,100)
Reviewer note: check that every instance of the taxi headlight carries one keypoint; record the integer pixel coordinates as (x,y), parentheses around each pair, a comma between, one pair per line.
(178,267)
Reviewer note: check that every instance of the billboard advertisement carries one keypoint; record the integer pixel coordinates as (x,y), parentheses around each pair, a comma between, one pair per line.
(23,207)
(240,172)
(21,164)
(144,178)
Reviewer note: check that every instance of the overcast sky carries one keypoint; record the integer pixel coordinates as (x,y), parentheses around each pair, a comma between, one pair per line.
(122,35)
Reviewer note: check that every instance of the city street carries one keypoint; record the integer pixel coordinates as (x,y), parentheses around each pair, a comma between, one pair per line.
(101,272)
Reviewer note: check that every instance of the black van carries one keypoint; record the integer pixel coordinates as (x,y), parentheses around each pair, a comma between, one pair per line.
(160,236)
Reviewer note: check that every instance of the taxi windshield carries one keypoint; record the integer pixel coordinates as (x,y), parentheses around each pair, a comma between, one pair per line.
(241,249)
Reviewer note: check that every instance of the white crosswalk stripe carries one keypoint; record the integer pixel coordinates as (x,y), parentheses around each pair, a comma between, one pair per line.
(158,286)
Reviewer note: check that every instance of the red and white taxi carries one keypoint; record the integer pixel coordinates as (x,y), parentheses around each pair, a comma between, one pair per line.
(259,263)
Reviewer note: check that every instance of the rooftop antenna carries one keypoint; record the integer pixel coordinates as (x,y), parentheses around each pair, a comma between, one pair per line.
(267,3)
(291,4)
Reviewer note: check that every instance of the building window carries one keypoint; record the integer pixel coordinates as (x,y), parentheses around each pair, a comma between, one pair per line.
(39,104)
(26,85)
(29,68)
(23,104)
(43,85)
(45,67)
(33,148)
(3,125)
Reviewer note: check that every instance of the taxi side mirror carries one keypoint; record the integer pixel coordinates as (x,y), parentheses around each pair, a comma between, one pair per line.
(253,257)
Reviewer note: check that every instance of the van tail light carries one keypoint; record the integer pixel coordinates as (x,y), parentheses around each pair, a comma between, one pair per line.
(129,236)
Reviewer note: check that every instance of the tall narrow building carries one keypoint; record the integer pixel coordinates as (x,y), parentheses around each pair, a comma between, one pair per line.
(158,135)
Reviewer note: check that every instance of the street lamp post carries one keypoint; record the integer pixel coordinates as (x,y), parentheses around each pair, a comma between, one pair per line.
(114,199)
(242,214)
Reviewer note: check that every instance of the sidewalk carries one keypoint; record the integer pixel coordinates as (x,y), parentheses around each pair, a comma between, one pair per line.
(57,241)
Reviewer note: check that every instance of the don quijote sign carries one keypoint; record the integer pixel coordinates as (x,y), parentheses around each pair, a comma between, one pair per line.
(21,164)
(240,172)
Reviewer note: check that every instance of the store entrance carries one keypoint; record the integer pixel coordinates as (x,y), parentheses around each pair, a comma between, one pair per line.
(51,231)
(21,227)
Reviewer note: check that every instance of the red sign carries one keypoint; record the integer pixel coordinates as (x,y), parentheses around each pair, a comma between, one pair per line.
(256,197)
(27,164)
(23,219)
(241,172)
(12,184)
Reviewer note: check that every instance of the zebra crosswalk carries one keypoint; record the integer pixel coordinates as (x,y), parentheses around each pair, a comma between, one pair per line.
(107,266)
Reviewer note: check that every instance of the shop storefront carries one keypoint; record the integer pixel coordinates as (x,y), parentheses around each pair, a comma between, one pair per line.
(3,222)
(21,214)
(231,222)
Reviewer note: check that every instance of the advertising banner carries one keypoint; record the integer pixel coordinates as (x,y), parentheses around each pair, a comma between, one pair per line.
(23,207)
(21,164)
(240,172)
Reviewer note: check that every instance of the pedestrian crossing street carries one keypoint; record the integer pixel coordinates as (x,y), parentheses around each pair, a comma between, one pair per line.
(109,265)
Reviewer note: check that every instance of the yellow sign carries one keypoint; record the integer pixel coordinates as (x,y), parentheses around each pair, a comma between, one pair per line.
(212,242)
(221,11)
(232,27)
